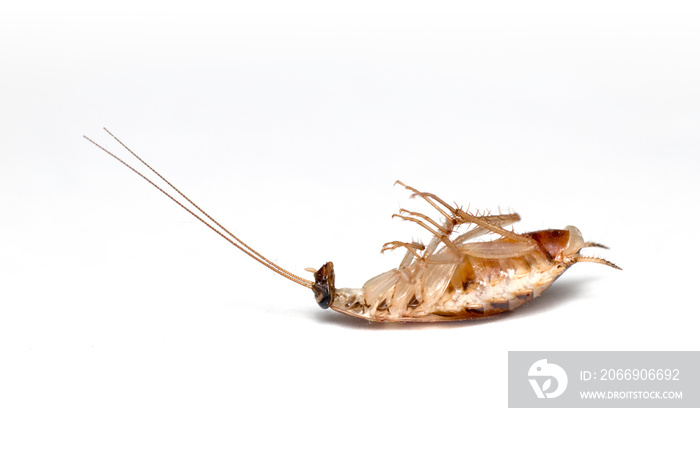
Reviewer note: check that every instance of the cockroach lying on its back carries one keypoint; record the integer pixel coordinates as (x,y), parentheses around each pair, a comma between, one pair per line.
(452,278)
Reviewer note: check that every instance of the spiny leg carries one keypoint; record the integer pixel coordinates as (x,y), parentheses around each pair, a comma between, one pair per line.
(460,216)
(500,220)
(445,230)
(451,220)
(435,241)
(442,233)
(454,212)
(428,198)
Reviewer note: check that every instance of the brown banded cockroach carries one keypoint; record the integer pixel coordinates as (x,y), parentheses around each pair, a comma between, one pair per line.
(450,278)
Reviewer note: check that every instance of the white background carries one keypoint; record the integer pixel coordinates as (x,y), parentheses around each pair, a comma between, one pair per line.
(131,334)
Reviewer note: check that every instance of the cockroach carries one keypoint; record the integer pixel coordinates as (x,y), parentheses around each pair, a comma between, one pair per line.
(450,278)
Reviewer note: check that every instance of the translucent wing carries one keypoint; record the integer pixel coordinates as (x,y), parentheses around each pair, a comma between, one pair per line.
(437,275)
(497,249)
(380,287)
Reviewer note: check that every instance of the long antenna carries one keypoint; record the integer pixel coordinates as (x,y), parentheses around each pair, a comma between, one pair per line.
(231,238)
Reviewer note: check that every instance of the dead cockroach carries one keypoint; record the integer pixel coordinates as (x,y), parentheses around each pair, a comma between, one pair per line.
(452,278)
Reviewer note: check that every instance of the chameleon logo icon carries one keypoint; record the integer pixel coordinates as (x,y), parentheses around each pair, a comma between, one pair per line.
(541,374)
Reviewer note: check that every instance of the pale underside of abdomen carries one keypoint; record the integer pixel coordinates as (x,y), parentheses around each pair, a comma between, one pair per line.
(488,291)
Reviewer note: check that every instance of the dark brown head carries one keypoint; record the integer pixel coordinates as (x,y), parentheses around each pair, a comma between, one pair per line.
(324,288)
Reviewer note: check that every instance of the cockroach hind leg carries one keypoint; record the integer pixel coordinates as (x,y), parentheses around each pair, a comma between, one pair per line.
(415,217)
(324,286)
(431,199)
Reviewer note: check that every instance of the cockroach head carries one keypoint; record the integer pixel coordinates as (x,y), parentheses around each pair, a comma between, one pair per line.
(324,288)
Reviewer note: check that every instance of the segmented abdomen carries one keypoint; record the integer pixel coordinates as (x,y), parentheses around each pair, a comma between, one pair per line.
(448,288)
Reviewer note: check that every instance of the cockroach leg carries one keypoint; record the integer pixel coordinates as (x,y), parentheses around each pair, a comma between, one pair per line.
(493,227)
(427,198)
(500,220)
(459,216)
(413,248)
(443,235)
(444,229)
(411,251)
